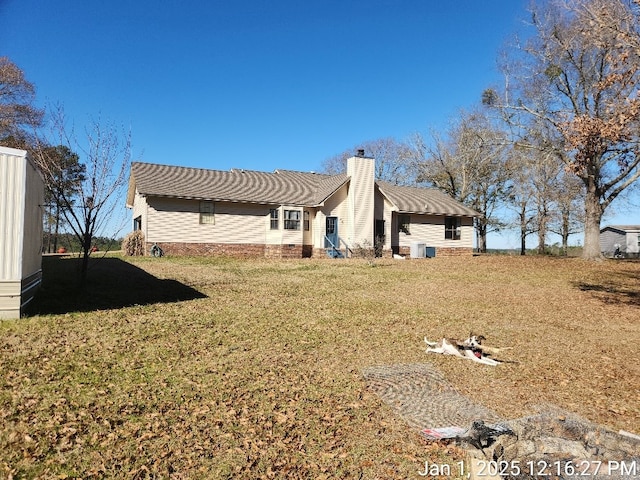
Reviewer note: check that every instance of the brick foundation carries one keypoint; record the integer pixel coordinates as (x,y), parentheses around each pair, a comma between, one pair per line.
(234,250)
(440,251)
(283,251)
(280,251)
(211,249)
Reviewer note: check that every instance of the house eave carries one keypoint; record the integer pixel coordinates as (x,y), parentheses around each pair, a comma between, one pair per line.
(227,200)
(437,214)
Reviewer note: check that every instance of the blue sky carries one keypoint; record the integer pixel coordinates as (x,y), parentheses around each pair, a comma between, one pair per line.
(259,84)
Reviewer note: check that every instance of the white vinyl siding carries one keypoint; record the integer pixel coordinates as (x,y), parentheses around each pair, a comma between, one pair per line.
(361,201)
(139,210)
(178,220)
(335,206)
(430,230)
(207,213)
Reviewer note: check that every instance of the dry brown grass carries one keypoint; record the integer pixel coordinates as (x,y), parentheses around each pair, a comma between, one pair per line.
(260,377)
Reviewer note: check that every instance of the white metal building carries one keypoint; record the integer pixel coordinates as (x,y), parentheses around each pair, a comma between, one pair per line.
(21,210)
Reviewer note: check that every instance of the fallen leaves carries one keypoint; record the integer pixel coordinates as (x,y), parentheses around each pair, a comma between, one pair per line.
(254,382)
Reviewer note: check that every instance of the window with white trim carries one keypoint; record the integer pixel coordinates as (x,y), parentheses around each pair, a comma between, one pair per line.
(452,228)
(305,220)
(207,213)
(273,215)
(292,219)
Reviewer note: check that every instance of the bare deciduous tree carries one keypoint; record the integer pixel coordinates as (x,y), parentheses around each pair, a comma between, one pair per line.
(578,75)
(521,197)
(472,165)
(394,160)
(569,213)
(91,201)
(18,115)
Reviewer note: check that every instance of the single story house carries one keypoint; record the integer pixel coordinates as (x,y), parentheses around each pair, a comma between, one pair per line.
(290,214)
(21,209)
(627,237)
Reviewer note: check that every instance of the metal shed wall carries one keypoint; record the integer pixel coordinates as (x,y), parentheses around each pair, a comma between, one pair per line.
(21,200)
(627,236)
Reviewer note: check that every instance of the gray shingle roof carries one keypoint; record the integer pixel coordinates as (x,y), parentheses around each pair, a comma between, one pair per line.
(424,200)
(282,187)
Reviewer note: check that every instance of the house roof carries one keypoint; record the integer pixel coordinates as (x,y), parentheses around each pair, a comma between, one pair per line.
(423,200)
(622,228)
(282,187)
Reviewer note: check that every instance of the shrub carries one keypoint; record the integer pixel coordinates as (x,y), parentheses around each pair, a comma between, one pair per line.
(367,251)
(133,244)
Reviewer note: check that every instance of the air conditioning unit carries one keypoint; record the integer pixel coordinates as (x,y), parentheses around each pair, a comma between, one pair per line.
(418,249)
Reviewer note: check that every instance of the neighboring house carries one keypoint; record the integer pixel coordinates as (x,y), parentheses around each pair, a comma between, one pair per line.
(21,207)
(626,236)
(292,214)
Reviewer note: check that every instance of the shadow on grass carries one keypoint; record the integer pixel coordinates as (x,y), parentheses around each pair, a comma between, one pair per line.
(111,283)
(622,288)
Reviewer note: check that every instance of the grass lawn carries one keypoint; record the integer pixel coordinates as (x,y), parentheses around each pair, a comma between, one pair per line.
(222,368)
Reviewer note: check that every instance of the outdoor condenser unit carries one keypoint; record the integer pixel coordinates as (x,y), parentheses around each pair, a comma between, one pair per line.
(418,249)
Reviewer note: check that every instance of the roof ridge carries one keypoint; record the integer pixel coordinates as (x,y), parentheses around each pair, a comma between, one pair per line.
(231,170)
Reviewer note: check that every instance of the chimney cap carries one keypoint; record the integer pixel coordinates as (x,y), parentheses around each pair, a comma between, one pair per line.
(360,152)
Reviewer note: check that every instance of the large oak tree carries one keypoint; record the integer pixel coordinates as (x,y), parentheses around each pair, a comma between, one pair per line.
(579,74)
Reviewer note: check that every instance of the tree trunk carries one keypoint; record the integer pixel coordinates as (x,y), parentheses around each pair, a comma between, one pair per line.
(565,232)
(541,241)
(523,230)
(542,227)
(55,237)
(482,235)
(593,216)
(85,245)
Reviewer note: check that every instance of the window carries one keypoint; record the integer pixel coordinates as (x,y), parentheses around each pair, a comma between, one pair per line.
(452,228)
(378,231)
(137,223)
(292,220)
(273,214)
(207,212)
(306,220)
(403,224)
